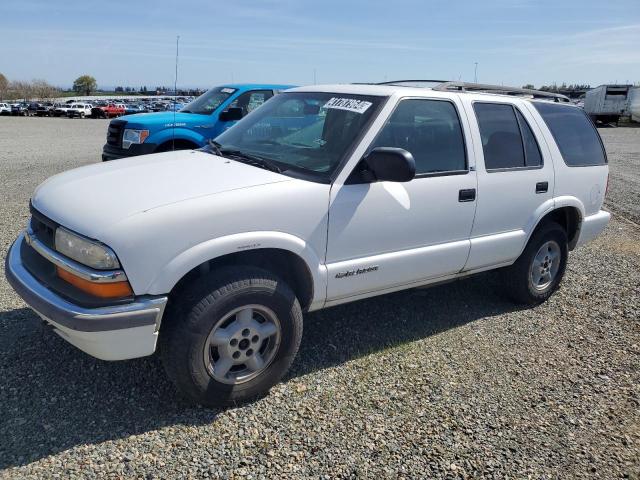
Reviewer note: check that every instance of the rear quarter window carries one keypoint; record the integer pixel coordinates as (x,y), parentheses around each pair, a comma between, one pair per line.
(574,133)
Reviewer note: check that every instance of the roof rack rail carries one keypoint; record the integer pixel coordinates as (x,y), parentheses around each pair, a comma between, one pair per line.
(405,83)
(500,89)
(446,85)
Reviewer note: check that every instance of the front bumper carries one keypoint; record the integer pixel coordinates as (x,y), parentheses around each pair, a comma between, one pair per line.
(117,332)
(111,152)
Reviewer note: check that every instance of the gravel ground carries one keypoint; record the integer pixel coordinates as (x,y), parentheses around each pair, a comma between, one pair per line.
(623,151)
(449,382)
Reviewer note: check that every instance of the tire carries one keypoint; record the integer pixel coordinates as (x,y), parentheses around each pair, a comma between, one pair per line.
(201,311)
(81,114)
(524,281)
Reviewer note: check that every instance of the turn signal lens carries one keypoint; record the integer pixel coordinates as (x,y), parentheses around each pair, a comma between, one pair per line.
(100,290)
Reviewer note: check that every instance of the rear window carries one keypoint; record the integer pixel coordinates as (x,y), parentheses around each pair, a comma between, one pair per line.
(573,131)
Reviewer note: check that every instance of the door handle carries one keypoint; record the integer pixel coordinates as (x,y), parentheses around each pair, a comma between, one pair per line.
(467,195)
(542,187)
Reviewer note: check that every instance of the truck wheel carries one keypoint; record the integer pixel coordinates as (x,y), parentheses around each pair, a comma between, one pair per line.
(538,271)
(232,336)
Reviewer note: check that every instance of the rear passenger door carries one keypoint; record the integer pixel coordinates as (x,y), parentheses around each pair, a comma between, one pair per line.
(515,180)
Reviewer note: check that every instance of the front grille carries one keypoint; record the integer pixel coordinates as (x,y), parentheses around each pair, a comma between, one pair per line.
(114,133)
(43,228)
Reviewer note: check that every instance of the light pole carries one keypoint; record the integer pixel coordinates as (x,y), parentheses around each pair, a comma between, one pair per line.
(475,73)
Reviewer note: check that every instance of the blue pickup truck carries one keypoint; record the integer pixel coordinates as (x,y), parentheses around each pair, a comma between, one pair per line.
(205,118)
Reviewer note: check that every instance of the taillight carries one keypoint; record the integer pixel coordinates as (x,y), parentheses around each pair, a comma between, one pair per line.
(606,190)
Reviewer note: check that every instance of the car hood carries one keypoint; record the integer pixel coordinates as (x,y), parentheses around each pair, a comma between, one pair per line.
(164,119)
(93,198)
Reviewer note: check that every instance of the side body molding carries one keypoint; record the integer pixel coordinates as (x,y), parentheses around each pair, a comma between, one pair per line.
(179,266)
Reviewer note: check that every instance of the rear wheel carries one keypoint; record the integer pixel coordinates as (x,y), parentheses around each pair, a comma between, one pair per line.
(539,270)
(232,336)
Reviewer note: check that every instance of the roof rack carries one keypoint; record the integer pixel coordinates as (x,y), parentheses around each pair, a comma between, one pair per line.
(414,83)
(448,86)
(499,89)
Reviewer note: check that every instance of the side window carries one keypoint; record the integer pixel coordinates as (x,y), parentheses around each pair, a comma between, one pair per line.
(430,130)
(249,101)
(574,133)
(532,156)
(501,140)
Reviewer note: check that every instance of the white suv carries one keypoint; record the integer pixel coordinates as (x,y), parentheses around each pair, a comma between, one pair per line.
(324,195)
(79,110)
(5,109)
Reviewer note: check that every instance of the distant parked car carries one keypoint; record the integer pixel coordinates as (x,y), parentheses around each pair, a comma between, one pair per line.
(61,110)
(131,109)
(175,106)
(98,111)
(158,107)
(79,110)
(32,108)
(115,110)
(20,109)
(5,109)
(46,109)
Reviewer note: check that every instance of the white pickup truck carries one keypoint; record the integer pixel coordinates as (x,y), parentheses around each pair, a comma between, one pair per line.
(81,110)
(324,195)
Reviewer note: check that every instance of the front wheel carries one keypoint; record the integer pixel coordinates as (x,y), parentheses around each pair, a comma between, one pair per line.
(539,270)
(232,336)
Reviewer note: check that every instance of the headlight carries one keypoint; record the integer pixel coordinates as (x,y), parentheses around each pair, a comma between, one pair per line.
(133,136)
(87,252)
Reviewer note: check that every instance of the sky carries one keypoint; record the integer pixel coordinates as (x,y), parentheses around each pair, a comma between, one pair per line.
(133,43)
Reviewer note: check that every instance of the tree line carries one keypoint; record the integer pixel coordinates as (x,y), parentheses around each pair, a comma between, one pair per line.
(41,89)
(20,90)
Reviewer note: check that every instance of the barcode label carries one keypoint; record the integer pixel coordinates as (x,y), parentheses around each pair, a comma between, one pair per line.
(350,104)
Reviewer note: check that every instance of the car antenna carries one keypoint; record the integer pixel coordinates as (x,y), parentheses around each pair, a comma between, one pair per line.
(175,90)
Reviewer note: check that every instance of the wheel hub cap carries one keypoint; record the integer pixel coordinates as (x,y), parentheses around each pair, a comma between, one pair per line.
(545,265)
(242,344)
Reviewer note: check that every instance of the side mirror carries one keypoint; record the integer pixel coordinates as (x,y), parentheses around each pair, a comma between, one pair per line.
(388,164)
(231,114)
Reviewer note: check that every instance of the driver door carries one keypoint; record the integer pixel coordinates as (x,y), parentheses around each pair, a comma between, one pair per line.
(386,236)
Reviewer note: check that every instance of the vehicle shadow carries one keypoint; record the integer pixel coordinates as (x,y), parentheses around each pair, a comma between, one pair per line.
(55,397)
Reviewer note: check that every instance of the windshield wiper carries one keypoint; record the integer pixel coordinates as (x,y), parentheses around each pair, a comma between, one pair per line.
(250,159)
(215,146)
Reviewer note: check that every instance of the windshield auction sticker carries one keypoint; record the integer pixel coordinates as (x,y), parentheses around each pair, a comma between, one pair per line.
(350,104)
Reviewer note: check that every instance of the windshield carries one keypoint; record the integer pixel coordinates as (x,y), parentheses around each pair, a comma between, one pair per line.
(209,101)
(308,131)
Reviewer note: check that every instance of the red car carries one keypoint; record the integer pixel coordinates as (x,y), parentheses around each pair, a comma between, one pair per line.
(108,111)
(114,110)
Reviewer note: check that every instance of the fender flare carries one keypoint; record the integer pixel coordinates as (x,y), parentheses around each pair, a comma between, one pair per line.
(179,133)
(549,206)
(171,273)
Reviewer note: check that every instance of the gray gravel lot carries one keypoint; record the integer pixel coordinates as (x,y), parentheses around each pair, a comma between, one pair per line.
(450,382)
(623,150)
